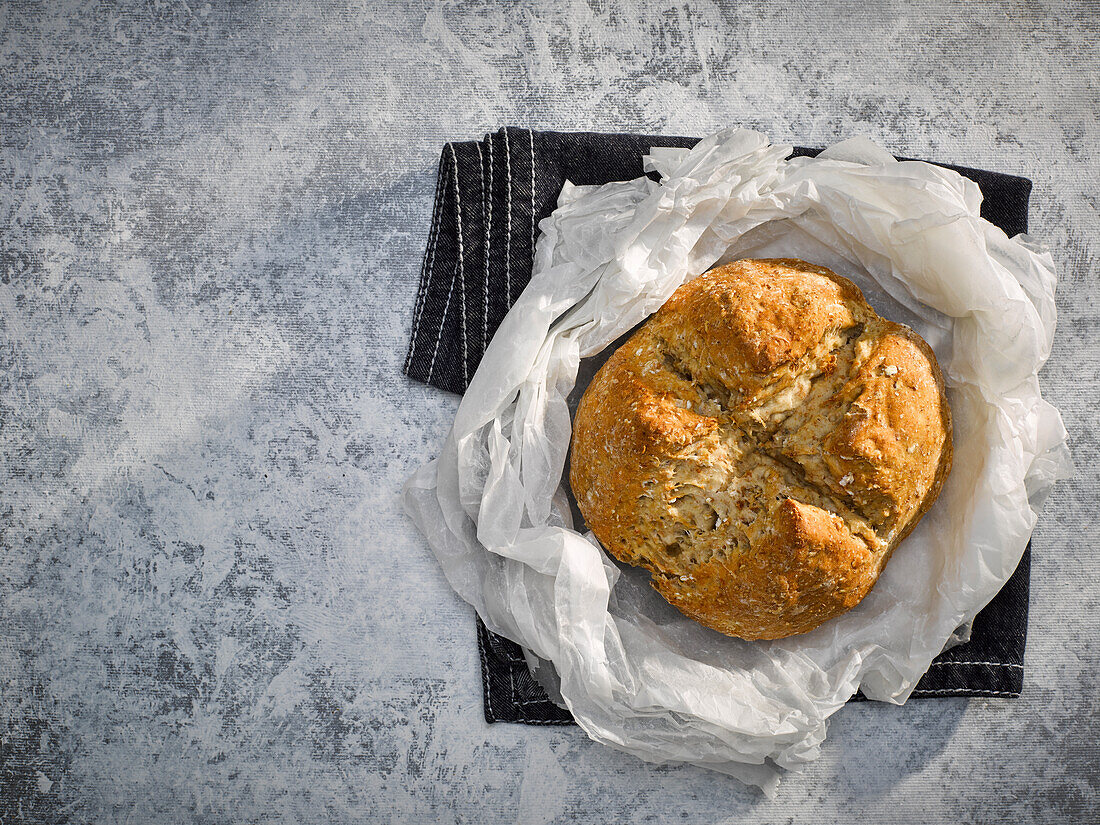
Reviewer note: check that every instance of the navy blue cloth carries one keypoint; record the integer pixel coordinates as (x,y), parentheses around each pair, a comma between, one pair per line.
(490,196)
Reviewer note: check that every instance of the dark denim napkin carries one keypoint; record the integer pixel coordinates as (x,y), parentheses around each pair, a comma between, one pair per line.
(490,196)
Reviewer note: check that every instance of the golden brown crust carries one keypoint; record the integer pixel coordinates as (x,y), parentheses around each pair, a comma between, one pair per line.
(761,445)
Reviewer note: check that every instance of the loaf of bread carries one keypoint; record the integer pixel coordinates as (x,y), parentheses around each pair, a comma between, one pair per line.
(761,445)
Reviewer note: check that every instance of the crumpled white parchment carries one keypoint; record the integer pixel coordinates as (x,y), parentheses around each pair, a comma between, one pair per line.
(635,674)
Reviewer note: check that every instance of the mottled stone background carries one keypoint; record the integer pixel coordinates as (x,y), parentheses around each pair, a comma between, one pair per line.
(211,606)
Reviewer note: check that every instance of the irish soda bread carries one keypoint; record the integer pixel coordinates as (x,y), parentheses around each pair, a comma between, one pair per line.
(761,445)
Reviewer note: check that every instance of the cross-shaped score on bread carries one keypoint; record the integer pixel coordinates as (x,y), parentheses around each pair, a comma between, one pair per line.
(762,445)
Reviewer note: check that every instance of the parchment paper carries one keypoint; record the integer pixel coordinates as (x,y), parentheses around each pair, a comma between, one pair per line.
(636,674)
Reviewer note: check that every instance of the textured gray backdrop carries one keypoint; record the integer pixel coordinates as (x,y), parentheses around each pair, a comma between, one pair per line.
(211,606)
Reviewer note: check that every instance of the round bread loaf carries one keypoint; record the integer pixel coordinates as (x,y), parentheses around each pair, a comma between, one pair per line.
(761,445)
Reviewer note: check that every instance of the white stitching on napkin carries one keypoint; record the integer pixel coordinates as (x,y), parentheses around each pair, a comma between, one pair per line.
(461,271)
(446,307)
(532,135)
(508,225)
(429,257)
(487,201)
(965,692)
(991,664)
(485,678)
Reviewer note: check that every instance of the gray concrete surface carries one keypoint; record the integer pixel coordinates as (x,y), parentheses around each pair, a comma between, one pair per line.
(211,606)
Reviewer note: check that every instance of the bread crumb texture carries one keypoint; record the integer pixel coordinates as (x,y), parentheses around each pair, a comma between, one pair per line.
(762,445)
